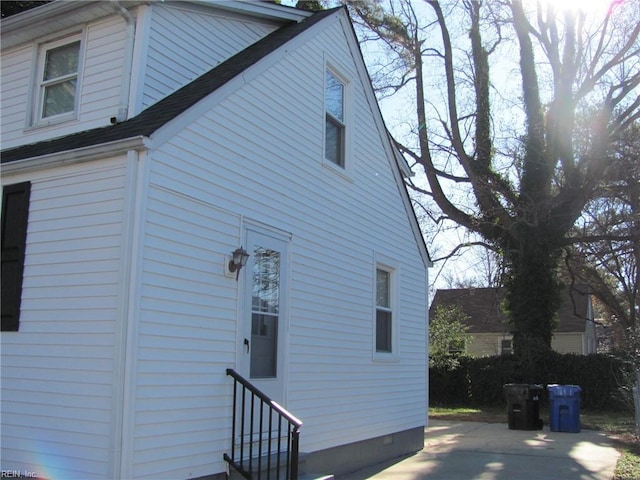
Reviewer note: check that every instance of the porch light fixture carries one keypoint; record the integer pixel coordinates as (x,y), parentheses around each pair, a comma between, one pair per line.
(237,261)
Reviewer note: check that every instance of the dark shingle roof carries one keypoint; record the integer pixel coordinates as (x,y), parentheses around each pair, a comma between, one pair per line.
(174,104)
(483,307)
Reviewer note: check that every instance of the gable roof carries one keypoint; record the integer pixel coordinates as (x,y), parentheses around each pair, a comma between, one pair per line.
(148,121)
(483,306)
(132,133)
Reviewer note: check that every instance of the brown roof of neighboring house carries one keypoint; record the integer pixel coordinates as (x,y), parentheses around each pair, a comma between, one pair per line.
(483,306)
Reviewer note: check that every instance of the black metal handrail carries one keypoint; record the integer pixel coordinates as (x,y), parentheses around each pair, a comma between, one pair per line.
(249,403)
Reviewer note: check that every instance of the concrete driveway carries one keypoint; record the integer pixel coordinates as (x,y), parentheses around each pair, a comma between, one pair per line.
(490,451)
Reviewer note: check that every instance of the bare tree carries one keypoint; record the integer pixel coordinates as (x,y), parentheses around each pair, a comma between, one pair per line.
(608,258)
(496,88)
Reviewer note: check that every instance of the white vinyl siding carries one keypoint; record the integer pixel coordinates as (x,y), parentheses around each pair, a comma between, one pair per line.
(205,41)
(57,371)
(245,145)
(186,338)
(102,76)
(98,95)
(15,75)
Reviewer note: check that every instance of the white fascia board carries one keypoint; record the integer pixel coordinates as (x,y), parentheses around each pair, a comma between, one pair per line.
(258,9)
(80,155)
(55,17)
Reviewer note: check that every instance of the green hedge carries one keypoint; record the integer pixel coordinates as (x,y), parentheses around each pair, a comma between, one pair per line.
(479,381)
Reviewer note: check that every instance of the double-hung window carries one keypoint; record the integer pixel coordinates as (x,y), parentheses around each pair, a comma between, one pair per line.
(335,131)
(57,79)
(384,311)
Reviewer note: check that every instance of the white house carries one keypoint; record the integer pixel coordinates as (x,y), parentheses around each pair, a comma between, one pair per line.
(142,144)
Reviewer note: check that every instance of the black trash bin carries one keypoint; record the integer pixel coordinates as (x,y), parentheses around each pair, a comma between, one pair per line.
(523,406)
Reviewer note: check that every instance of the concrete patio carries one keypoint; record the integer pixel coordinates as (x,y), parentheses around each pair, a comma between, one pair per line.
(490,451)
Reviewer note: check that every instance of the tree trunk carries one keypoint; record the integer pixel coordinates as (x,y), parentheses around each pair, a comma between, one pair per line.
(532,294)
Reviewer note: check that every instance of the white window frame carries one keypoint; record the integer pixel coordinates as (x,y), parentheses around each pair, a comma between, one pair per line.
(391,267)
(501,348)
(39,85)
(346,168)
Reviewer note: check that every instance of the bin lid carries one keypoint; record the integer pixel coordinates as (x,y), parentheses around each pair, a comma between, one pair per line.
(521,391)
(526,386)
(564,390)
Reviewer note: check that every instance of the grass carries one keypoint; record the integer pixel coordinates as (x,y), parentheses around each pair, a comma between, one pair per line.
(617,426)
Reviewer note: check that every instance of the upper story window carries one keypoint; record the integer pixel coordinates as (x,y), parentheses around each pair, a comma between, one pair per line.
(57,79)
(335,131)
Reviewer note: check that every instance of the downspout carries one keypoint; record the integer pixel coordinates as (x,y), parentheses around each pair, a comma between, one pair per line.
(123,108)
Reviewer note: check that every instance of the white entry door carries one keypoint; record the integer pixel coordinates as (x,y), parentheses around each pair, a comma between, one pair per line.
(264,340)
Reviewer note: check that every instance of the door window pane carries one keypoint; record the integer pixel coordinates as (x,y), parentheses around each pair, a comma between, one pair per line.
(264,342)
(265,306)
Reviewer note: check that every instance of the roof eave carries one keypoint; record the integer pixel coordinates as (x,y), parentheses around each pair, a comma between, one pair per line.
(79,155)
(266,10)
(54,17)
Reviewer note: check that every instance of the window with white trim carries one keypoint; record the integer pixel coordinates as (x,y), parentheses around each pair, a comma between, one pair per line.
(384,311)
(57,79)
(335,120)
(506,346)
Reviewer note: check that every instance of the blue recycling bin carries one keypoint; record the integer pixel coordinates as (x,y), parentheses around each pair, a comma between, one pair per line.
(564,408)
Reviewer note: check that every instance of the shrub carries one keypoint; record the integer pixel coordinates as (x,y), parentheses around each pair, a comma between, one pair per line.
(480,381)
(447,337)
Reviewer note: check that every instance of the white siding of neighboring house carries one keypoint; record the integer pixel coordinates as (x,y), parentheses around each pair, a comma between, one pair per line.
(485,344)
(205,40)
(568,343)
(99,96)
(257,155)
(58,370)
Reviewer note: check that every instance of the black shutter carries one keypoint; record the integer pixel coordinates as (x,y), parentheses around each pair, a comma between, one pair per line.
(15,216)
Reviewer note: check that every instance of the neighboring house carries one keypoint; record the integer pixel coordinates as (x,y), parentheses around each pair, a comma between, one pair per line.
(491,335)
(143,143)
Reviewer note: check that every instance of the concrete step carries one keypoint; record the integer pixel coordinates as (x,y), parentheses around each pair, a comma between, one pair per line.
(234,475)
